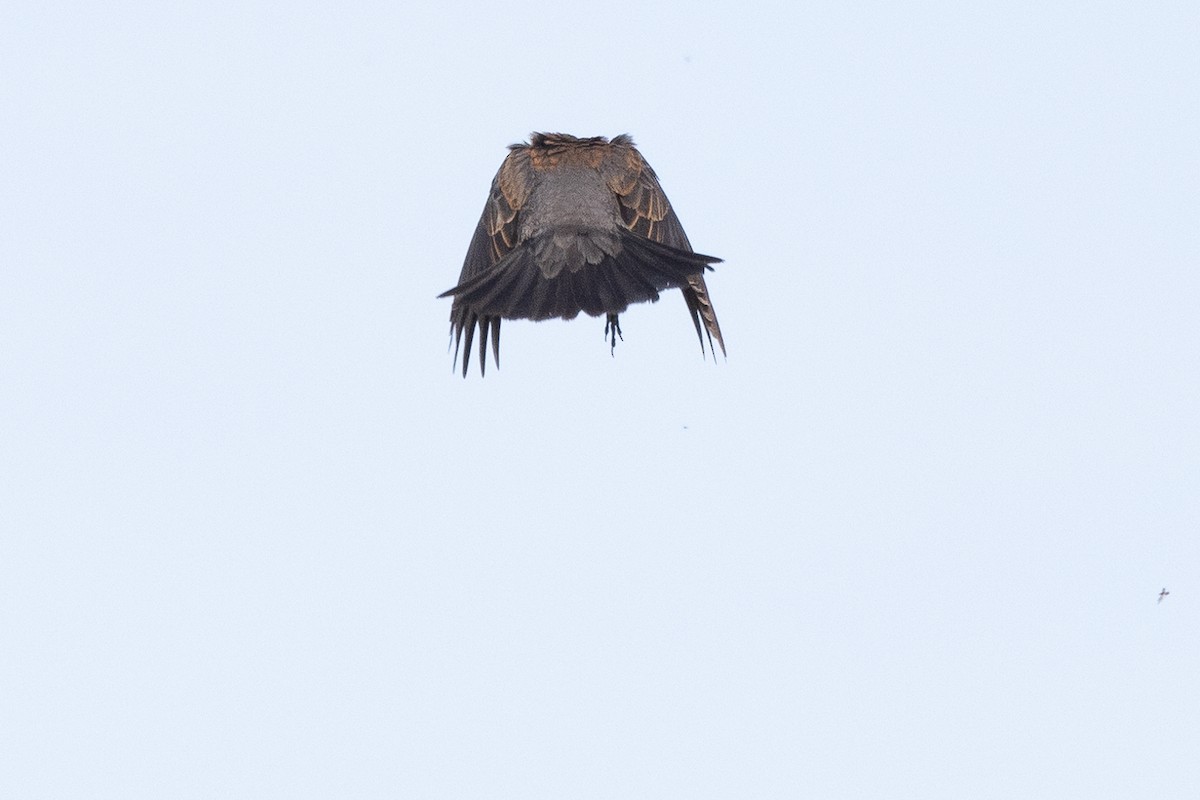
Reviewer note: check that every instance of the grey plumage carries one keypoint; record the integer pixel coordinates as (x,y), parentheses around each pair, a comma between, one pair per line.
(574,225)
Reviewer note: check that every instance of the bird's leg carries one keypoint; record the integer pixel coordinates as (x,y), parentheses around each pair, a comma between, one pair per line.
(611,324)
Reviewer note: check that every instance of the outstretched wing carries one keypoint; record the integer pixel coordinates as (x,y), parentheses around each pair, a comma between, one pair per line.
(495,237)
(647,212)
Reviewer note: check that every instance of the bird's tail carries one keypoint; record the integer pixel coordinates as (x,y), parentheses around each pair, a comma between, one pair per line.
(606,282)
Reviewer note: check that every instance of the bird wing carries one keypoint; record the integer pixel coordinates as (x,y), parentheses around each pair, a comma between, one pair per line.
(647,212)
(495,237)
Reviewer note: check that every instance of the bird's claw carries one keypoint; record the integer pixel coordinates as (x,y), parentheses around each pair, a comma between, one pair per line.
(612,324)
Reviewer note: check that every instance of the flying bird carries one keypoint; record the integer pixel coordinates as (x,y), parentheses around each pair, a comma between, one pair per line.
(574,225)
(1162,594)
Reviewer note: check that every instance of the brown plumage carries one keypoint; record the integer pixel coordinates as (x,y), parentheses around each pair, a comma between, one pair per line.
(574,225)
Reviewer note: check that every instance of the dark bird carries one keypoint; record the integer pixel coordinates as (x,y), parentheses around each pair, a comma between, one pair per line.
(574,225)
(1163,594)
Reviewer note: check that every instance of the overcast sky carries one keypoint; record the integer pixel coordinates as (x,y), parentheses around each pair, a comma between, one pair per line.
(258,540)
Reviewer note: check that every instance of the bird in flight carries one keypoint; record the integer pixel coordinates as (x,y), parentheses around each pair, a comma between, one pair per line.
(1162,594)
(574,225)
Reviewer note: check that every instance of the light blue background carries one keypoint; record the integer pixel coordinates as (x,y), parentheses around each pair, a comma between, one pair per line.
(259,541)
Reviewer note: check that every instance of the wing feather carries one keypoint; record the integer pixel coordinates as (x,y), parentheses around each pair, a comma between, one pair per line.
(647,212)
(495,237)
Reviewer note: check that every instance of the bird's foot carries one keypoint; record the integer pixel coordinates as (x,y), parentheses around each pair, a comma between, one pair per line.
(612,330)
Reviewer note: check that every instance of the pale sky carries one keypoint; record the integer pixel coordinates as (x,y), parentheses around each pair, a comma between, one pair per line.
(258,540)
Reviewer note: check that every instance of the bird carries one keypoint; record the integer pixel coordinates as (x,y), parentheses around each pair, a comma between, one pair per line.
(1162,594)
(575,224)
